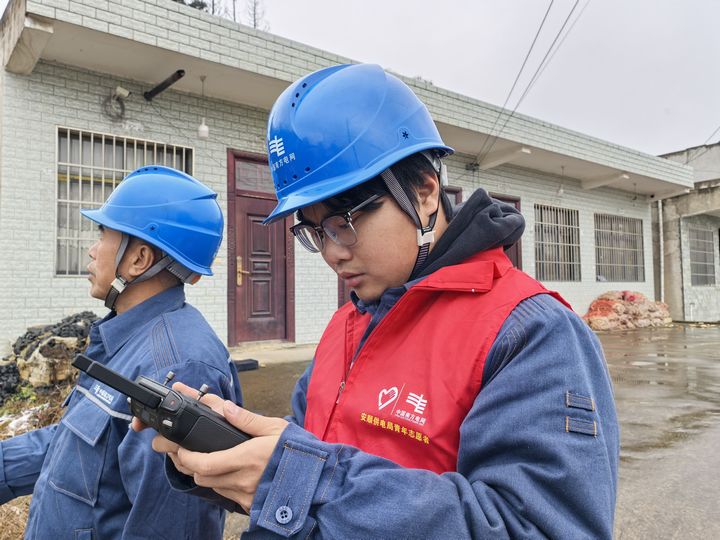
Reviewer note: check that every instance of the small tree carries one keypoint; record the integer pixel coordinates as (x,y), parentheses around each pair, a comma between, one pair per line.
(256,15)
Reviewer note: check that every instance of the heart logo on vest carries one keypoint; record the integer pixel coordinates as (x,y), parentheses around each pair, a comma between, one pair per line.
(387,396)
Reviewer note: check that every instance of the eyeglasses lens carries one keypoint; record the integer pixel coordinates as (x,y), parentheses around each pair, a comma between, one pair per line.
(339,230)
(309,238)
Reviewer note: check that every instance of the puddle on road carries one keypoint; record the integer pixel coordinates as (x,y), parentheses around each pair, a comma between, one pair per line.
(667,386)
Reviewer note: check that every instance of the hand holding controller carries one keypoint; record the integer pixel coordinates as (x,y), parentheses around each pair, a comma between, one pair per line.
(177,417)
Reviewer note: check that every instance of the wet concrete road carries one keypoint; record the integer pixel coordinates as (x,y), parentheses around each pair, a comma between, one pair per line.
(667,390)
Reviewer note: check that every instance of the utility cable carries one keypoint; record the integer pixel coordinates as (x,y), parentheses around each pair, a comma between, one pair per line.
(534,77)
(703,144)
(517,77)
(561,43)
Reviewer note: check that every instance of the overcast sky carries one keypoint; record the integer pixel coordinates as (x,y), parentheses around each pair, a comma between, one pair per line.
(640,73)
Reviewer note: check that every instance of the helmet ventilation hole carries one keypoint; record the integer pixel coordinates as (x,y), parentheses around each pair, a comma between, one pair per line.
(307,169)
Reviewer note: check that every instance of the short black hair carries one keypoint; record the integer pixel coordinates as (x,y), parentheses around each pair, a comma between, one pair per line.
(410,173)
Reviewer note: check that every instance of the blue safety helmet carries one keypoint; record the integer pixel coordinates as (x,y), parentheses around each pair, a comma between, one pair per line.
(170,210)
(339,127)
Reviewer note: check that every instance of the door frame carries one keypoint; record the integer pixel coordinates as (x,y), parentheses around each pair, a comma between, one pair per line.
(233,193)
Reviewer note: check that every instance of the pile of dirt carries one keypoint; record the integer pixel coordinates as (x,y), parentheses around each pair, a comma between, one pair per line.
(43,354)
(622,310)
(9,380)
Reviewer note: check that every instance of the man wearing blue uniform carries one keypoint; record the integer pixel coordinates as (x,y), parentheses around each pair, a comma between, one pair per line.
(90,475)
(455,397)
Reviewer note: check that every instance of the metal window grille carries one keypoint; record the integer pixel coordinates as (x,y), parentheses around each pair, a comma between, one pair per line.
(619,252)
(89,166)
(702,257)
(557,243)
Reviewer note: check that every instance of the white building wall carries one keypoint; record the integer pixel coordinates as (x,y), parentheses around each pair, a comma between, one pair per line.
(316,296)
(56,95)
(534,187)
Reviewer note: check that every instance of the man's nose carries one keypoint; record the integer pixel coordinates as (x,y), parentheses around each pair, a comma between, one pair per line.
(93,250)
(333,253)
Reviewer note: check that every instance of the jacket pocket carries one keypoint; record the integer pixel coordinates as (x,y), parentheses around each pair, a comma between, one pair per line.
(79,457)
(84,534)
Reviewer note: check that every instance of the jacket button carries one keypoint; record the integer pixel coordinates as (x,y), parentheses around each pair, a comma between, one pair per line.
(283,515)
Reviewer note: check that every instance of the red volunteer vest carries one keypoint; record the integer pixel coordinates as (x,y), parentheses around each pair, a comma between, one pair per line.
(421,369)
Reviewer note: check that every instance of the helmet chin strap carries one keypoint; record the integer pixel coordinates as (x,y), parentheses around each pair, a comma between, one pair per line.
(120,283)
(425,235)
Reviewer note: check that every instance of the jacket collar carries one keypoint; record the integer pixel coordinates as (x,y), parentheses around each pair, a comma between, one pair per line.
(476,274)
(116,330)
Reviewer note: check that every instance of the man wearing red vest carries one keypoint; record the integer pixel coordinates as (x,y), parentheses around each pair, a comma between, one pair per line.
(454,397)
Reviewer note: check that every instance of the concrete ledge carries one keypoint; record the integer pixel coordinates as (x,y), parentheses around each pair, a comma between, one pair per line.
(274,353)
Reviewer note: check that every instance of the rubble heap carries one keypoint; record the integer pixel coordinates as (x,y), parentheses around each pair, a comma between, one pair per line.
(620,310)
(42,355)
(9,380)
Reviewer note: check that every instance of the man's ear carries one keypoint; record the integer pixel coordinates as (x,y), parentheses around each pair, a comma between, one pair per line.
(140,258)
(428,196)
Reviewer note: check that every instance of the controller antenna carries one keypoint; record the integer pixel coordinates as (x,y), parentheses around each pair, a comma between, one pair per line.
(203,390)
(169,377)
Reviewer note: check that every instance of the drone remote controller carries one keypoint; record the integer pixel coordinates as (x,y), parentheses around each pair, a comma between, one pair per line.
(178,418)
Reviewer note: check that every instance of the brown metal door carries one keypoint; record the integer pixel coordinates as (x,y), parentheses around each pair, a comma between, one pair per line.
(259,272)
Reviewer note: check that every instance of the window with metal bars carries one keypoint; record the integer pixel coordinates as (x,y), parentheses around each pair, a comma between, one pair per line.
(89,166)
(702,257)
(557,243)
(619,248)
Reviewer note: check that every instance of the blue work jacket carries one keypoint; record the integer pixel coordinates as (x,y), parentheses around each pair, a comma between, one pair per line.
(90,475)
(538,452)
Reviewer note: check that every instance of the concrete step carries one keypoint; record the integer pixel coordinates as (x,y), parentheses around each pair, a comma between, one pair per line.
(274,352)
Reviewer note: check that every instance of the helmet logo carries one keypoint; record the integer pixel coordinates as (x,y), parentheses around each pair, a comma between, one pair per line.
(277,146)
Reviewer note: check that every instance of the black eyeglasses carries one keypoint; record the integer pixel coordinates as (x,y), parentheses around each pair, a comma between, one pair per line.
(338,227)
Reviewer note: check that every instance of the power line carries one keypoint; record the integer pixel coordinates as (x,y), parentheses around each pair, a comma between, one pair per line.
(532,80)
(712,135)
(561,43)
(517,77)
(703,144)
